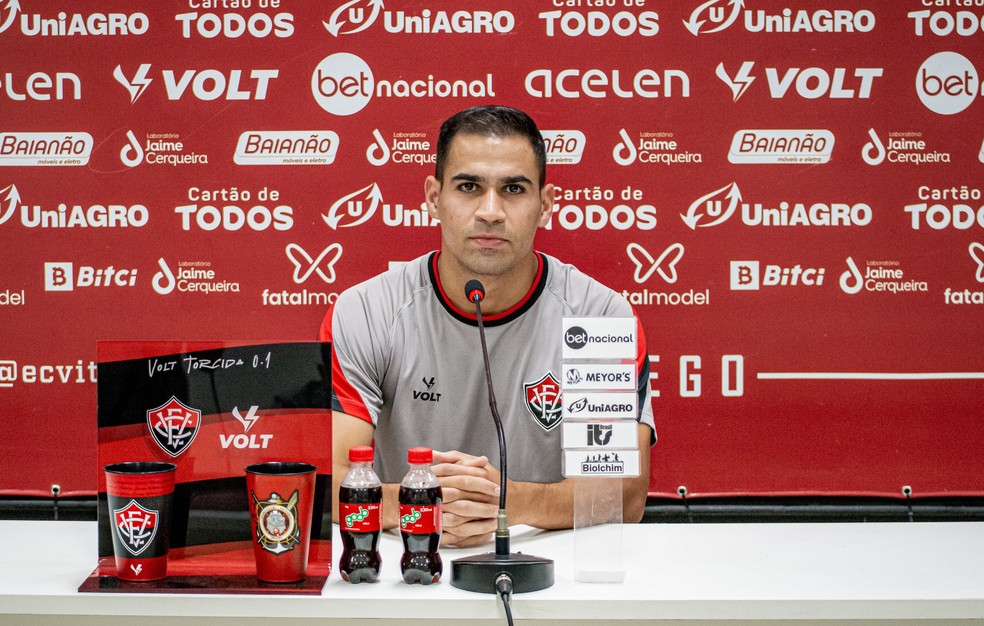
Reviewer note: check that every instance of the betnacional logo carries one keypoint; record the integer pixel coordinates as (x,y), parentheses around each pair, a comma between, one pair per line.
(957,208)
(947,83)
(238,209)
(810,83)
(61,276)
(718,206)
(205,85)
(70,216)
(604,83)
(198,277)
(944,23)
(879,277)
(901,147)
(159,149)
(277,527)
(762,146)
(714,16)
(576,23)
(63,24)
(174,426)
(41,86)
(355,16)
(136,526)
(44,149)
(655,147)
(600,208)
(403,147)
(286,147)
(564,147)
(343,84)
(544,401)
(969,296)
(233,25)
(754,275)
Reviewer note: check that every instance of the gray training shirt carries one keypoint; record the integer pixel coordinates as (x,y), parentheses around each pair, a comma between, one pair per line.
(409,362)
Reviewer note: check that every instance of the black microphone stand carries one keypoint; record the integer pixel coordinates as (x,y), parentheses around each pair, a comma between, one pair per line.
(502,571)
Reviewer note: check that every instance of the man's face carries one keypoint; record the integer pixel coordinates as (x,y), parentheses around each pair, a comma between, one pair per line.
(489,203)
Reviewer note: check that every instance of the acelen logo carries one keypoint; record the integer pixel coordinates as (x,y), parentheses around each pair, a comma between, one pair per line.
(206,85)
(41,86)
(810,83)
(604,83)
(947,83)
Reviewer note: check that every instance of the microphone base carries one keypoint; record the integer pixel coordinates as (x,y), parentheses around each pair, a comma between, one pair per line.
(478,573)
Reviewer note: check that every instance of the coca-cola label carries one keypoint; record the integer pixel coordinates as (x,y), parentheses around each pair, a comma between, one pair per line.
(360,518)
(421,520)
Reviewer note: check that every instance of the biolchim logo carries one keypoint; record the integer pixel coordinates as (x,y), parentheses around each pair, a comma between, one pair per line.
(174,426)
(136,526)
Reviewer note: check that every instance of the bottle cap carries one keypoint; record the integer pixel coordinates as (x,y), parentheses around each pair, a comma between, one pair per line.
(420,456)
(360,454)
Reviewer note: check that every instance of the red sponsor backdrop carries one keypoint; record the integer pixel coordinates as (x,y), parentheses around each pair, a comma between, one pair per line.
(790,194)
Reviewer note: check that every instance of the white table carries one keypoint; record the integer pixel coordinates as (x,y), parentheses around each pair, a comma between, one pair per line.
(699,573)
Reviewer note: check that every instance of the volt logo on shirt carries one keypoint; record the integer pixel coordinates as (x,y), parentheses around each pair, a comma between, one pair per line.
(428,395)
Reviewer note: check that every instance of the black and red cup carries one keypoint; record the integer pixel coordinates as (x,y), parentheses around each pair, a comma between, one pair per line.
(281,502)
(139,496)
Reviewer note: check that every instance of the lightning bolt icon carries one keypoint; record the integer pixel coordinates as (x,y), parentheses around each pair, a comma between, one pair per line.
(249,419)
(138,85)
(740,83)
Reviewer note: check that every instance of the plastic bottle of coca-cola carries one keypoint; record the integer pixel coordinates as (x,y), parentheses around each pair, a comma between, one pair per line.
(360,498)
(421,508)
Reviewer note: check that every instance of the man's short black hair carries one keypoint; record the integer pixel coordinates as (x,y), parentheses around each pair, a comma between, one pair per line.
(491,121)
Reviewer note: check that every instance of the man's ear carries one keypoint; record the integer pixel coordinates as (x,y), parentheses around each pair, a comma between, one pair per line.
(432,189)
(546,205)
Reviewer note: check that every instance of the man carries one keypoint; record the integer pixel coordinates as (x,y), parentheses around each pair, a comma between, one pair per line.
(406,363)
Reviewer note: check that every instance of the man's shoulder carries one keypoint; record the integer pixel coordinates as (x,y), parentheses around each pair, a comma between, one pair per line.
(389,290)
(582,294)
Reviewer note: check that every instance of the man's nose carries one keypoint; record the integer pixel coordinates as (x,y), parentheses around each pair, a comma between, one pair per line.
(491,207)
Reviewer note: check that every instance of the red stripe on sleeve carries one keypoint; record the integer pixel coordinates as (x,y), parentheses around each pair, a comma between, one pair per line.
(342,390)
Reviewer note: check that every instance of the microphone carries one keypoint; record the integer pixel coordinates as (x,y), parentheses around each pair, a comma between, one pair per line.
(501,572)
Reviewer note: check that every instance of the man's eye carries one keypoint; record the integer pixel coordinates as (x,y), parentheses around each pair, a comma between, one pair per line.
(515,189)
(467,186)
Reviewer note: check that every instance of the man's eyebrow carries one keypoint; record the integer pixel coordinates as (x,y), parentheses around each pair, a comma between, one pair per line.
(475,178)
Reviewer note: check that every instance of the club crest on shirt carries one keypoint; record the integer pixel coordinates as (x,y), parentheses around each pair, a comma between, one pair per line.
(544,402)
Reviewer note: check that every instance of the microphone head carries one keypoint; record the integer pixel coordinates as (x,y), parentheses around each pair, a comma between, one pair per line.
(474,290)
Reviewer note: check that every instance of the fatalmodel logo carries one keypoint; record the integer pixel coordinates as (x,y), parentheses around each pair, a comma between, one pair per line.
(356,16)
(810,83)
(751,276)
(714,16)
(71,24)
(968,296)
(305,265)
(760,146)
(45,149)
(947,83)
(206,85)
(717,207)
(665,265)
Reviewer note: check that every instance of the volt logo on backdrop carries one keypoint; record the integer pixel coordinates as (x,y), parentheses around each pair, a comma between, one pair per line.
(810,82)
(207,84)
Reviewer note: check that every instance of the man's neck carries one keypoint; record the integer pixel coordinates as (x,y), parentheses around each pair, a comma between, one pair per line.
(502,292)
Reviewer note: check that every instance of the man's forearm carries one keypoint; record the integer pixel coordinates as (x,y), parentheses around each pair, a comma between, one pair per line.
(551,505)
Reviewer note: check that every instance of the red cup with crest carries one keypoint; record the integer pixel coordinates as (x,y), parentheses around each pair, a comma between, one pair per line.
(139,496)
(281,501)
